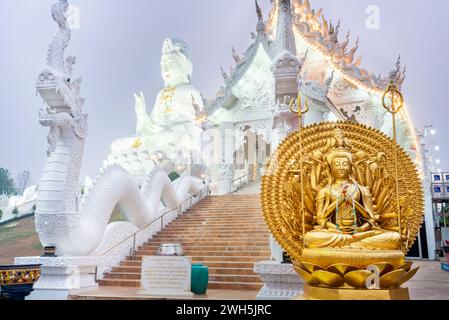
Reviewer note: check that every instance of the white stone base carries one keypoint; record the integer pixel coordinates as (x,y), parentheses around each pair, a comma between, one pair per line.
(62,277)
(281,281)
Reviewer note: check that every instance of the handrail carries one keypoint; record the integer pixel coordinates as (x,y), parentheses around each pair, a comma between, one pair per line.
(238,179)
(133,250)
(242,177)
(161,217)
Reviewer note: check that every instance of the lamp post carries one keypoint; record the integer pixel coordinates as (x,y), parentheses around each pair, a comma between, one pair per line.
(430,164)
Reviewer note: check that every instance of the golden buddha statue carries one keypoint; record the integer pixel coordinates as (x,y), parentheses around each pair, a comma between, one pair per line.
(330,200)
(345,211)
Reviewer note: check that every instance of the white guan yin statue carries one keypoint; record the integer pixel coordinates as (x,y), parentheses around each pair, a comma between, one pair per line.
(77,226)
(171,133)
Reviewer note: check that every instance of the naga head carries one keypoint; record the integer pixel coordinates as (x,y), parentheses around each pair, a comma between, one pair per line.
(55,84)
(59,92)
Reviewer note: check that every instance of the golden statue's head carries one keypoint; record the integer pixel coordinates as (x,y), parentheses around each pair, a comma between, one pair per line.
(340,163)
(340,157)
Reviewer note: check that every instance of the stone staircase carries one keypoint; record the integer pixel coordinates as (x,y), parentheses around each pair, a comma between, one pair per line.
(226,233)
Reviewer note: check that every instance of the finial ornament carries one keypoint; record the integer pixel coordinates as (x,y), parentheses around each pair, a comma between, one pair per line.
(396,98)
(297,108)
(235,56)
(300,111)
(260,28)
(259,11)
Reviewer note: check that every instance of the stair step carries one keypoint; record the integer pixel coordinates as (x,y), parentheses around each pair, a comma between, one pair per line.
(122,276)
(201,238)
(229,243)
(211,253)
(224,285)
(119,283)
(235,285)
(205,236)
(210,248)
(213,226)
(212,277)
(210,264)
(235,278)
(223,258)
(212,270)
(226,233)
(212,235)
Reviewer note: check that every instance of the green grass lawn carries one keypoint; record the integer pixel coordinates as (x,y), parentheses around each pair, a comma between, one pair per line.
(19,239)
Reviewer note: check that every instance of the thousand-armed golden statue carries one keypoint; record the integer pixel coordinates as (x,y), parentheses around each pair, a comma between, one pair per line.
(346,230)
(345,209)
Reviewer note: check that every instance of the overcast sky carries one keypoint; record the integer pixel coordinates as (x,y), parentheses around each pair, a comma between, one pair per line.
(118,48)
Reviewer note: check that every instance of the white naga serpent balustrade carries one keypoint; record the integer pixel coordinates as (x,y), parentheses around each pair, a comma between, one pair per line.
(77,226)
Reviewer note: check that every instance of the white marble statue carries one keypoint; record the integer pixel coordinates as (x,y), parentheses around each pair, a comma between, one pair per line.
(175,120)
(77,227)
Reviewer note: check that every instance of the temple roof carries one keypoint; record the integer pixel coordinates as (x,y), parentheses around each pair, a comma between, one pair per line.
(312,27)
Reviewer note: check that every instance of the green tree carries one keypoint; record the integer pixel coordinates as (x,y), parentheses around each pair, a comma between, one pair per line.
(7,186)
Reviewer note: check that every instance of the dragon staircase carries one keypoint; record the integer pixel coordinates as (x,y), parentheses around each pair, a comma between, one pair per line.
(226,233)
(77,227)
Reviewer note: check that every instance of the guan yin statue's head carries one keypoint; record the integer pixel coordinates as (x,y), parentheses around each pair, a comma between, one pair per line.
(176,63)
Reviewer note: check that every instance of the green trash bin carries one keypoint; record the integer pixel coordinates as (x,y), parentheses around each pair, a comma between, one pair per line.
(200,279)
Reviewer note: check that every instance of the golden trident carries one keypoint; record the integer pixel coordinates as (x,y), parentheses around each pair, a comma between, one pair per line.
(300,112)
(397,103)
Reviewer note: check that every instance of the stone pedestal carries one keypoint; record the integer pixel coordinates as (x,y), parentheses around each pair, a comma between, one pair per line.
(281,282)
(62,276)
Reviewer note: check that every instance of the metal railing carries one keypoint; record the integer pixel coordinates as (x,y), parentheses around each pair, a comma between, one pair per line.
(240,185)
(180,208)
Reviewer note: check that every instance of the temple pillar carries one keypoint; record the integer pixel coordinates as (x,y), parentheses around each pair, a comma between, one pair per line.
(261,156)
(313,116)
(226,169)
(428,205)
(278,133)
(252,156)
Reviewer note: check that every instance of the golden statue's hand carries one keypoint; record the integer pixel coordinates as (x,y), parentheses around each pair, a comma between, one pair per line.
(331,209)
(363,228)
(331,226)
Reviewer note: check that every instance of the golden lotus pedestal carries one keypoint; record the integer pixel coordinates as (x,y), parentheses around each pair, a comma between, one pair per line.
(317,293)
(346,274)
(358,258)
